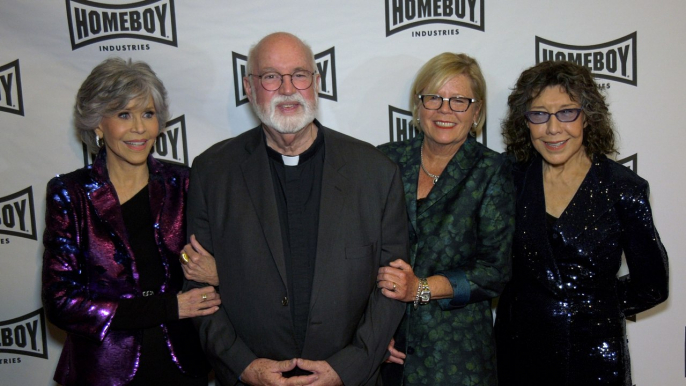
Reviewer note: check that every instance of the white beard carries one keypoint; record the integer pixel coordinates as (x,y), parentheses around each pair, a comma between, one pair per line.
(271,116)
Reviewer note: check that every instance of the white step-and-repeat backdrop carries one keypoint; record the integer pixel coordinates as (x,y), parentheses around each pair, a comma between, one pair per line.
(367,53)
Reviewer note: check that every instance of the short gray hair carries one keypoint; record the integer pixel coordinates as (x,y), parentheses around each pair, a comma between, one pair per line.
(109,88)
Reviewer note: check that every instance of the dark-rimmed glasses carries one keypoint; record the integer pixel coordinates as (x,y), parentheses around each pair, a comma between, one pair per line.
(564,115)
(271,81)
(456,104)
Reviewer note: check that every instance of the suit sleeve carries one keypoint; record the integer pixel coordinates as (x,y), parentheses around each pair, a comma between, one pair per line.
(489,270)
(68,300)
(359,361)
(647,282)
(227,353)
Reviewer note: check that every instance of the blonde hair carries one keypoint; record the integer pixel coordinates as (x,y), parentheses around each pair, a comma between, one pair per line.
(438,71)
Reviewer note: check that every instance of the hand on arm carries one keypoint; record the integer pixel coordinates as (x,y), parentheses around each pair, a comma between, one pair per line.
(398,281)
(406,282)
(198,302)
(201,266)
(396,356)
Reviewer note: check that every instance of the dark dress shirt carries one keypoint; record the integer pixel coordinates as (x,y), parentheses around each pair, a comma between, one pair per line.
(298,190)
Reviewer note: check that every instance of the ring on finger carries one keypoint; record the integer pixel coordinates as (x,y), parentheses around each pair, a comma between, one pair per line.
(394,286)
(204,297)
(183,258)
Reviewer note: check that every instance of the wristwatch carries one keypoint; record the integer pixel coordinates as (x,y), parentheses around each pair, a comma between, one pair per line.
(423,293)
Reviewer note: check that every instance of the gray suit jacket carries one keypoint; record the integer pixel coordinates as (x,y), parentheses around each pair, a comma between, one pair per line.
(363,226)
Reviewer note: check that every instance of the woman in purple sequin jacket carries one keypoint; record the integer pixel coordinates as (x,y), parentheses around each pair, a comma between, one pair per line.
(113,234)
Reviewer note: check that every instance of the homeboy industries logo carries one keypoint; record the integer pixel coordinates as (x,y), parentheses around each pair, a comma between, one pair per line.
(631,162)
(24,335)
(18,214)
(171,145)
(326,67)
(401,128)
(91,22)
(404,14)
(614,60)
(10,89)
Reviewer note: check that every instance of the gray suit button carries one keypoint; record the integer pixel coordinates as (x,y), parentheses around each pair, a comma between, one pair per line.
(284,301)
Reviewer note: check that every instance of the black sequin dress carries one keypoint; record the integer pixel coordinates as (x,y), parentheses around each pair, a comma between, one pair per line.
(561,319)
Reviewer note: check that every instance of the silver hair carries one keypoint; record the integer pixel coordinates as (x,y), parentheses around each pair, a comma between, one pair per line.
(109,88)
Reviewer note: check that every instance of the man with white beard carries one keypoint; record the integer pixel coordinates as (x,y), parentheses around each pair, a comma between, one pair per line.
(299,218)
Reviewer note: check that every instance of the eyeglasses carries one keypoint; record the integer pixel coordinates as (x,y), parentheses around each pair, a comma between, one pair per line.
(271,81)
(456,104)
(564,115)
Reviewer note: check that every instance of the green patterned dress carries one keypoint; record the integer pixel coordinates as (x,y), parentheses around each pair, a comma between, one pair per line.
(462,230)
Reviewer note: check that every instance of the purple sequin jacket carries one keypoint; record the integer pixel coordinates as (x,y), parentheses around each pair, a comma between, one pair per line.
(88,266)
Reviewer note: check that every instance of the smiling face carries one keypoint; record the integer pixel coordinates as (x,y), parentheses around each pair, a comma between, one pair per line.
(129,134)
(558,142)
(287,109)
(444,126)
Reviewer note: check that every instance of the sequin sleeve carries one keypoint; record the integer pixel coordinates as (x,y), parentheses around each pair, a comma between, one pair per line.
(68,302)
(647,282)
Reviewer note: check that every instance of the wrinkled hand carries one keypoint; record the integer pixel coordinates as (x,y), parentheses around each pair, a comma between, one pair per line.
(396,356)
(201,266)
(198,302)
(401,274)
(326,375)
(263,371)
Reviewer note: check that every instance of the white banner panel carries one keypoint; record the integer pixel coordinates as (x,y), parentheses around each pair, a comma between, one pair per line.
(367,53)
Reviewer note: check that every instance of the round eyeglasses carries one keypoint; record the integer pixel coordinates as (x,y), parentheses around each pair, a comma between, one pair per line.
(456,104)
(564,115)
(272,81)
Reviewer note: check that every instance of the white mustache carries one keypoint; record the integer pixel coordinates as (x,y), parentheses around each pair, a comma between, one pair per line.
(287,98)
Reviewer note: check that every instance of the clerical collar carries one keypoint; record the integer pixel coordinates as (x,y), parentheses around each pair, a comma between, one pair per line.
(296,159)
(290,160)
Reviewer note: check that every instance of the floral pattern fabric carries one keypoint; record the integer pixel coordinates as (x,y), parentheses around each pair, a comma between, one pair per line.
(463,230)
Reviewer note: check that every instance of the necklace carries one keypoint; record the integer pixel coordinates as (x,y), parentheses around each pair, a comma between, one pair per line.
(421,163)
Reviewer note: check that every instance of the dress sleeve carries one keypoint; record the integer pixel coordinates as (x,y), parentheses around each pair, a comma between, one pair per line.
(67,299)
(489,271)
(647,282)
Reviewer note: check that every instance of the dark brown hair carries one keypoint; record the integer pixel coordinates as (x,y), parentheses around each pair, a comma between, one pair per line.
(577,81)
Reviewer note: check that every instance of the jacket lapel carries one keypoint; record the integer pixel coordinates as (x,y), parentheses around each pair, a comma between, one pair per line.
(456,169)
(104,199)
(408,164)
(333,197)
(157,196)
(531,215)
(258,180)
(588,204)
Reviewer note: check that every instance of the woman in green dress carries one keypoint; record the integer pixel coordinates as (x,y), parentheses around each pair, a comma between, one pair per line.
(460,204)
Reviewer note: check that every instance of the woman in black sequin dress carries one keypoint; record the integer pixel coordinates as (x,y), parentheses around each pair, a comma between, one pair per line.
(561,319)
